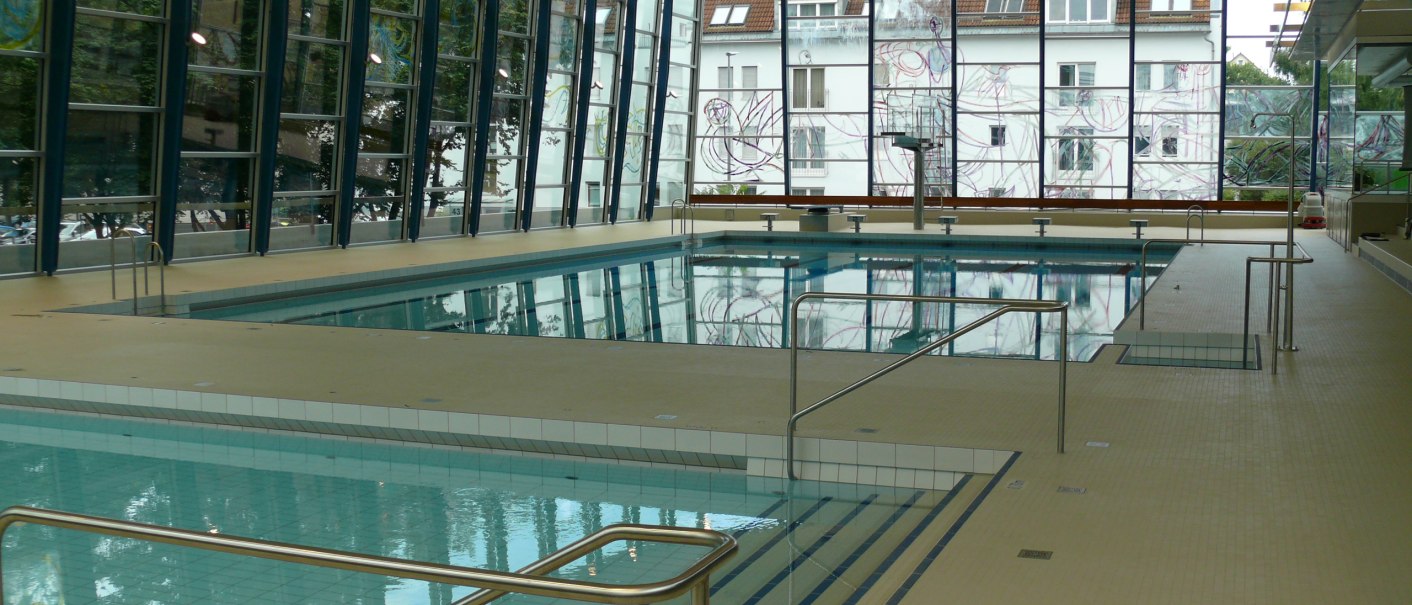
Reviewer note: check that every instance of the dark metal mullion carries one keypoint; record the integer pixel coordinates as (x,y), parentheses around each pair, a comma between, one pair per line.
(659,111)
(1221,136)
(539,74)
(955,113)
(490,27)
(872,141)
(173,110)
(356,73)
(1313,127)
(785,91)
(1132,95)
(426,86)
(1043,104)
(583,83)
(653,297)
(615,288)
(628,53)
(56,121)
(276,34)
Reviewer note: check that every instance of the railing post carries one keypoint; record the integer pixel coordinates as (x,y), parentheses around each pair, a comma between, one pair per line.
(1063,369)
(701,594)
(1245,320)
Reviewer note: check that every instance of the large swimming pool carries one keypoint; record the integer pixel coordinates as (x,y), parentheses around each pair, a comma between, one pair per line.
(737,292)
(801,542)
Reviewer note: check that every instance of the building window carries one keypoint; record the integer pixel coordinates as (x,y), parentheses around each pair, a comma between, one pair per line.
(1004,6)
(749,77)
(807,148)
(1143,76)
(1171,76)
(1169,140)
(1142,144)
(1076,153)
(1080,11)
(1075,75)
(725,79)
(750,144)
(807,191)
(730,14)
(808,88)
(998,191)
(997,136)
(812,9)
(1170,5)
(882,74)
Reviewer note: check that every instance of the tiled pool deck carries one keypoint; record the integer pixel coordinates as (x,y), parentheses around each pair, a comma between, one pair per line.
(1216,486)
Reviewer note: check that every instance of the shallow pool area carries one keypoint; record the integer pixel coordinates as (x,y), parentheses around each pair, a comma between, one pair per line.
(735,290)
(801,542)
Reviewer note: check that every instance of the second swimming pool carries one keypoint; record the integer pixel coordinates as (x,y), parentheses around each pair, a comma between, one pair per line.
(736,291)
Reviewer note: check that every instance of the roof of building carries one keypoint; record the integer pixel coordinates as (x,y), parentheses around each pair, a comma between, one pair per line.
(760,16)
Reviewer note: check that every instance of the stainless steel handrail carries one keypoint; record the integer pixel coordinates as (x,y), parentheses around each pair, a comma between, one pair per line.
(1202,216)
(1245,339)
(161,259)
(695,579)
(1010,305)
(685,210)
(1142,264)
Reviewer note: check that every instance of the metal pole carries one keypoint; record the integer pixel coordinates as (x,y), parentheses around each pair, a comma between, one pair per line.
(701,593)
(1063,370)
(1289,248)
(1245,321)
(1270,297)
(918,167)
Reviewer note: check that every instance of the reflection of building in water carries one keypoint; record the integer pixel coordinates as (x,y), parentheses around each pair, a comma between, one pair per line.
(819,109)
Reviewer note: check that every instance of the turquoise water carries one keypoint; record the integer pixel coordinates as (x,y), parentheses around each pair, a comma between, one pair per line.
(738,294)
(803,542)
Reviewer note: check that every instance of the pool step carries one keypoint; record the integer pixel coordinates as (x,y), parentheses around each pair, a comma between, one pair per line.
(830,550)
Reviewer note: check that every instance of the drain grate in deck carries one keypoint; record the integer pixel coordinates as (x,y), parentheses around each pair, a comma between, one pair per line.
(1043,555)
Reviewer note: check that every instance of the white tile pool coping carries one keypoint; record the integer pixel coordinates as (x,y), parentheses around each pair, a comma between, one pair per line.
(832,460)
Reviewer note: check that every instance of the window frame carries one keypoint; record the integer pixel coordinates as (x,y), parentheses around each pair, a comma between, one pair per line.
(814,81)
(1059,12)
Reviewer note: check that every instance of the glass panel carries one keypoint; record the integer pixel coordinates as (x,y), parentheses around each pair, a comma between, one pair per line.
(564,43)
(512,63)
(460,29)
(384,127)
(446,151)
(109,154)
(136,7)
(396,6)
(304,155)
(444,215)
(391,49)
(213,207)
(647,12)
(83,223)
(19,102)
(17,214)
(515,16)
(451,102)
(554,148)
(320,18)
(559,101)
(379,177)
(644,58)
(22,25)
(502,188)
(506,116)
(312,79)
(115,61)
(220,112)
(225,33)
(302,222)
(548,207)
(630,202)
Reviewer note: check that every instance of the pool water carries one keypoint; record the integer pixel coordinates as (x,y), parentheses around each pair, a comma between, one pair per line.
(801,542)
(738,294)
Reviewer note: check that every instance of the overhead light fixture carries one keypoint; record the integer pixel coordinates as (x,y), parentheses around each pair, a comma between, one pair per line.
(503,73)
(375,58)
(596,85)
(198,38)
(672,94)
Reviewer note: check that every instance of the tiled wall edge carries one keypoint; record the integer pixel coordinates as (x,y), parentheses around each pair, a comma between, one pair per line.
(833,460)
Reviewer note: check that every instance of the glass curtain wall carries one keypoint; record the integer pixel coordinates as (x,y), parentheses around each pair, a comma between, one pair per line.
(388,107)
(997,137)
(556,139)
(739,130)
(453,114)
(913,77)
(311,114)
(826,53)
(1176,143)
(22,62)
(632,190)
(218,142)
(115,105)
(676,116)
(602,105)
(1086,102)
(509,108)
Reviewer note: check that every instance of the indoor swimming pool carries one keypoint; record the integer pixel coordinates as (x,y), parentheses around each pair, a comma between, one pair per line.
(735,291)
(800,542)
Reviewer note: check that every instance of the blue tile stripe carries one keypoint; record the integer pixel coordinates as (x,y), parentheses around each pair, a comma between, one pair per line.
(808,552)
(906,542)
(950,533)
(767,512)
(862,548)
(764,548)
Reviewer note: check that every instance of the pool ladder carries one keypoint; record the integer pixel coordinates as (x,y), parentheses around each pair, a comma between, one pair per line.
(533,579)
(1008,306)
(152,249)
(687,210)
(1200,213)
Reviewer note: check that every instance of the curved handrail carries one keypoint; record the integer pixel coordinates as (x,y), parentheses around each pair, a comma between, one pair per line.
(1274,321)
(694,579)
(1202,220)
(1010,305)
(1142,265)
(686,209)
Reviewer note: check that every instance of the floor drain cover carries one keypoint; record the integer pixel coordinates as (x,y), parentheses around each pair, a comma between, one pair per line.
(1064,489)
(1017,484)
(1042,555)
(866,430)
(665,417)
(1097,444)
